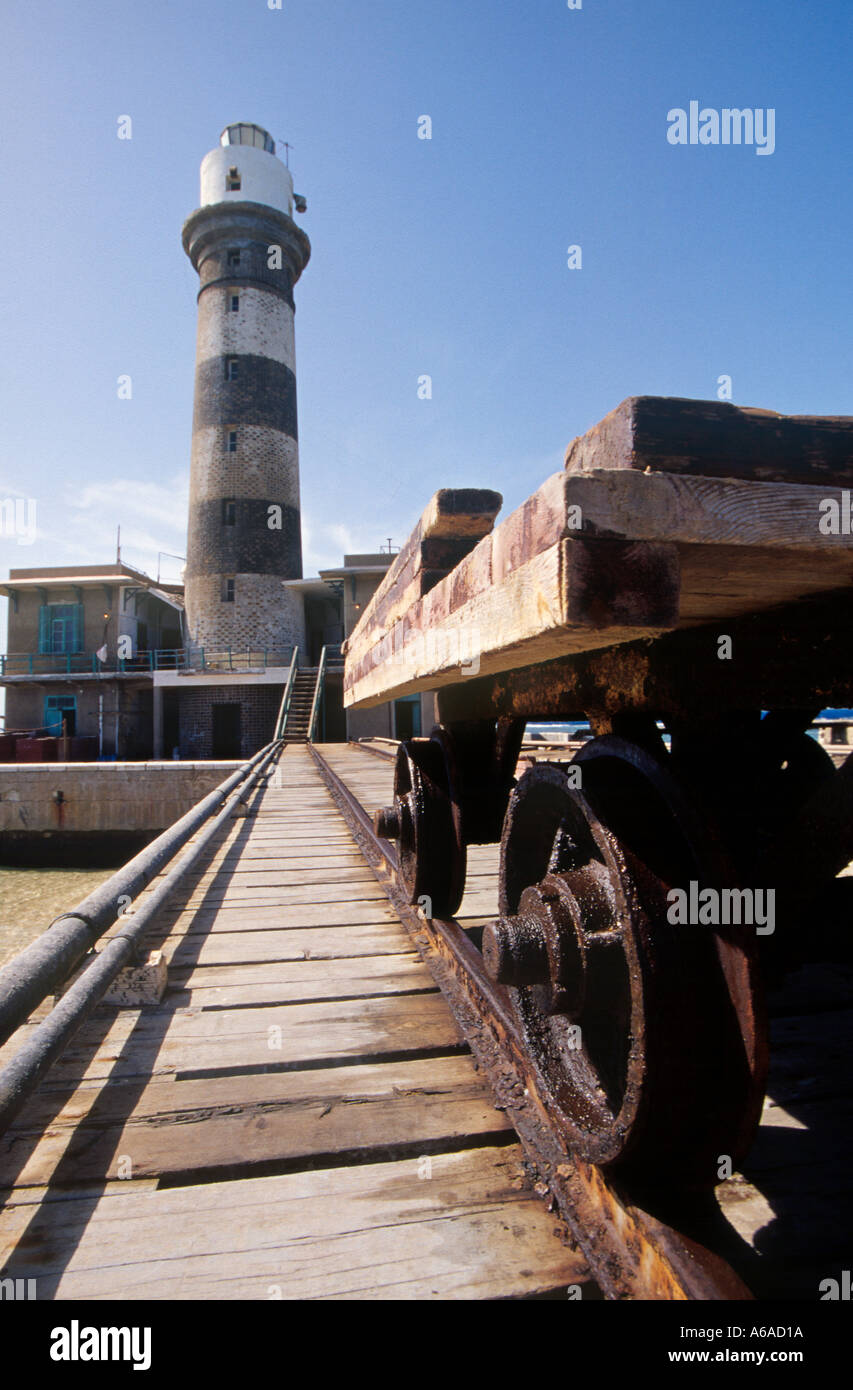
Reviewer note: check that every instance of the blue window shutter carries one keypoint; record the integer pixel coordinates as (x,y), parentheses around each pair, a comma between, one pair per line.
(77,644)
(44,628)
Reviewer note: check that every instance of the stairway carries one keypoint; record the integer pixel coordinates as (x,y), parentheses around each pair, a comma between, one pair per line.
(299,714)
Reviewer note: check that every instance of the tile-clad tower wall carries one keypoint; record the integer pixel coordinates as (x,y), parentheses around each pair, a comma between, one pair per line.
(244,519)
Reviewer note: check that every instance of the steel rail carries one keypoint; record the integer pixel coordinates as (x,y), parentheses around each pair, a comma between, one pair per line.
(43,966)
(284,707)
(318,696)
(673,1254)
(19,1078)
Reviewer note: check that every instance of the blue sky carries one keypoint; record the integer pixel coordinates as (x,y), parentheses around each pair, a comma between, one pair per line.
(445,257)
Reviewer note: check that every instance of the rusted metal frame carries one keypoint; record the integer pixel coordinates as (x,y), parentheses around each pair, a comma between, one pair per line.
(793,657)
(632,1253)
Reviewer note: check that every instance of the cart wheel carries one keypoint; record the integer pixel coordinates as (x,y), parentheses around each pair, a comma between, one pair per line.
(431,850)
(646,1037)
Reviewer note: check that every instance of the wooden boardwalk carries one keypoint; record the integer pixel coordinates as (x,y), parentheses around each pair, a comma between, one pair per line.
(298,1119)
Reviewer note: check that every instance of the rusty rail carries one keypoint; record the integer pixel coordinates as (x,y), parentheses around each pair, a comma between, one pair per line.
(634,1251)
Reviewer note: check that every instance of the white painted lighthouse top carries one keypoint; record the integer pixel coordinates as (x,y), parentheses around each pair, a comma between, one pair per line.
(245,169)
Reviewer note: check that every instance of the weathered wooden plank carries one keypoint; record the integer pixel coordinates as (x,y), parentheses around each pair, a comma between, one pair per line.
(718,439)
(211,1040)
(453,522)
(647,551)
(338,913)
(378,1231)
(558,599)
(249,1121)
(299,982)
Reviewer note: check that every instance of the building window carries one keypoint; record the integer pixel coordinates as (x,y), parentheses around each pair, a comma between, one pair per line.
(232,183)
(229,511)
(233,258)
(228,591)
(235,303)
(60,628)
(232,442)
(231,366)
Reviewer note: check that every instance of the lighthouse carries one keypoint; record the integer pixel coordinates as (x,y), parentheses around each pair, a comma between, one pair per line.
(244,535)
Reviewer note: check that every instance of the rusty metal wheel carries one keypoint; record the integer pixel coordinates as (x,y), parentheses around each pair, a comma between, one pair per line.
(646,1037)
(427,825)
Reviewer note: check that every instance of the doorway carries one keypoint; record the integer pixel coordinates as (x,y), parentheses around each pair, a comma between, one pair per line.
(227,742)
(59,708)
(407,717)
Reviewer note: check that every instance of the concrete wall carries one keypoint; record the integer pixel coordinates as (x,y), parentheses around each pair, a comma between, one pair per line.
(378,721)
(263,176)
(107,810)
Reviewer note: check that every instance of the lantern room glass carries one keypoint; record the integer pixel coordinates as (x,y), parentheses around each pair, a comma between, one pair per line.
(245,134)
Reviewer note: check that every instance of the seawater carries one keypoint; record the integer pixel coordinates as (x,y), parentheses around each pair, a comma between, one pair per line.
(31,898)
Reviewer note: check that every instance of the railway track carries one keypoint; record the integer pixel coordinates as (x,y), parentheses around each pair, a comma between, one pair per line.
(775,1228)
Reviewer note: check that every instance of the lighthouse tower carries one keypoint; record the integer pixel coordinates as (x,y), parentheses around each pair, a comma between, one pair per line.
(244,520)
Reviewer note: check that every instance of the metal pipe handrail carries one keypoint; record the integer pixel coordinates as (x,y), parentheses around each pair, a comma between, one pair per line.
(30,663)
(22,1074)
(47,963)
(318,695)
(284,707)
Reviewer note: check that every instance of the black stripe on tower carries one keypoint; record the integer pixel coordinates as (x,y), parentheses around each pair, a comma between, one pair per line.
(263,393)
(252,270)
(248,545)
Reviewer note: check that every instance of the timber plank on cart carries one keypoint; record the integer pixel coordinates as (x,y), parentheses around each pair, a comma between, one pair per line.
(630,541)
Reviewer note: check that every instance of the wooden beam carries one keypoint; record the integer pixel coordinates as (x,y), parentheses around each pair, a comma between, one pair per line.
(594,560)
(453,522)
(717,439)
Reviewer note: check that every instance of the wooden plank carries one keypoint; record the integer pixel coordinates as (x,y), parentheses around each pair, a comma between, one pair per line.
(588,558)
(453,522)
(377,1231)
(340,912)
(718,439)
(244,1122)
(559,599)
(191,1041)
(299,981)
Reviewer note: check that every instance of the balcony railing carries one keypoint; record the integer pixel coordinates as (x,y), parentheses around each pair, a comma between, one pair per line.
(25,664)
